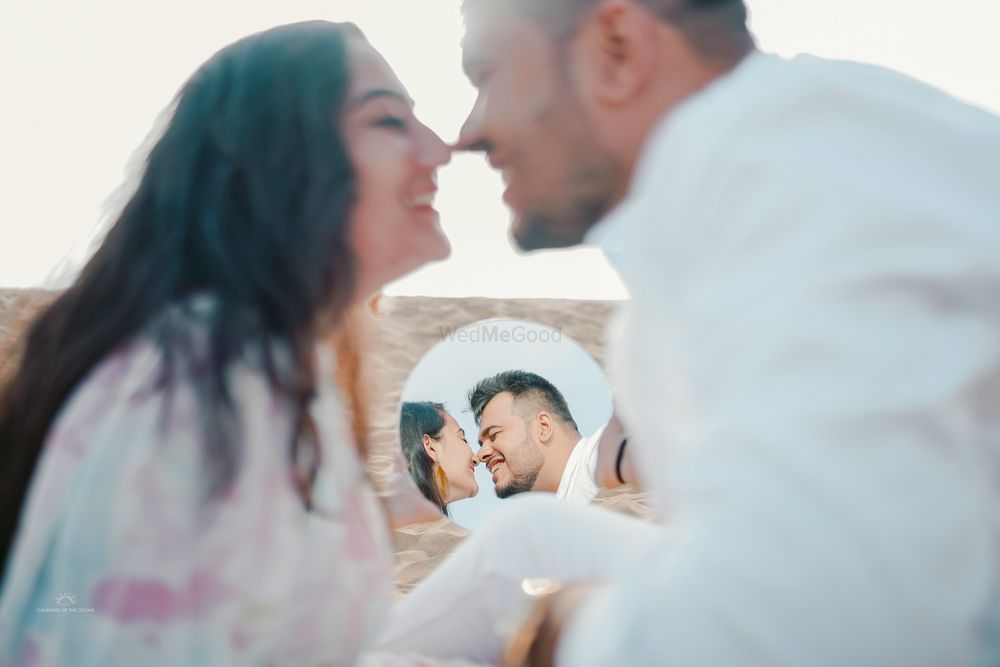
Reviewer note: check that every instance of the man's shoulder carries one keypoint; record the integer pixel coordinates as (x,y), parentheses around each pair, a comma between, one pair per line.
(806,122)
(588,445)
(767,98)
(578,478)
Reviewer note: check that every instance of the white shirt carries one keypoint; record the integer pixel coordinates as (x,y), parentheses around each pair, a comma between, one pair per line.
(577,482)
(810,365)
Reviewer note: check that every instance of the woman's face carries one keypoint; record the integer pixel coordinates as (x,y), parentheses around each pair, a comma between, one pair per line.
(455,458)
(394,227)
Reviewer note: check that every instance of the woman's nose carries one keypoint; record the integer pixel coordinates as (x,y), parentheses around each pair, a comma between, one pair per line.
(433,151)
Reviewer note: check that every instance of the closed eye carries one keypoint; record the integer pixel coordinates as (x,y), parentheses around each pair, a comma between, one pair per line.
(392,122)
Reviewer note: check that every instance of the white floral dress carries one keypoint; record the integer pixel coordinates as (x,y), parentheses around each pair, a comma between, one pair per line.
(118,561)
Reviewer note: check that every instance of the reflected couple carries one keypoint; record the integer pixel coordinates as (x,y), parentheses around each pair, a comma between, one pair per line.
(527,439)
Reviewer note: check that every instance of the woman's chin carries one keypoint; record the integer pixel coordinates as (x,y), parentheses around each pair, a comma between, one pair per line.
(468,493)
(438,248)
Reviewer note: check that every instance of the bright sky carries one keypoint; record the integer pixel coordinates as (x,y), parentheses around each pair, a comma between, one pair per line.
(84,83)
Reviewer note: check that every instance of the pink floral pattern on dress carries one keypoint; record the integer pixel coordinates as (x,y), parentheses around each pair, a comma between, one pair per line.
(151,575)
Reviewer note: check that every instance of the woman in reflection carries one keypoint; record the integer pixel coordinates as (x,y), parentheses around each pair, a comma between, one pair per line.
(175,457)
(438,455)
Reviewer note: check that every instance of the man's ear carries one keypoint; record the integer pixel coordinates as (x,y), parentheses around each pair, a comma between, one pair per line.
(618,45)
(431,448)
(546,427)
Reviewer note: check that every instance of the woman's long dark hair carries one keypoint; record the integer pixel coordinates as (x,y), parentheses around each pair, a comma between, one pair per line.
(246,197)
(417,419)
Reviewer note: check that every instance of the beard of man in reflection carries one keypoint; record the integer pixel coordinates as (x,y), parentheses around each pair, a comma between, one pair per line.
(514,469)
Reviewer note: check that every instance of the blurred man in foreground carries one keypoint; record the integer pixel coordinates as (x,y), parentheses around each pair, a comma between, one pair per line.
(811,247)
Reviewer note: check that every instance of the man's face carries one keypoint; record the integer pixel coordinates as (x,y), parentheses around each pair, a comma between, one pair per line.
(530,123)
(508,448)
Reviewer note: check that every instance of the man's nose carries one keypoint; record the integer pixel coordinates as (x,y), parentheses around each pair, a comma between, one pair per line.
(470,137)
(484,454)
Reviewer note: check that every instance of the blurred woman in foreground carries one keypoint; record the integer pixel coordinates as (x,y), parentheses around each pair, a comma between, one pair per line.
(177,464)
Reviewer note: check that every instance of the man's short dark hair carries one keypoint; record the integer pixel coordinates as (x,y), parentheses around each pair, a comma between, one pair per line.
(532,394)
(716,29)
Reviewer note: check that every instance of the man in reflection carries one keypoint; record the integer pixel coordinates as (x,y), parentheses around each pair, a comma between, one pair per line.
(529,440)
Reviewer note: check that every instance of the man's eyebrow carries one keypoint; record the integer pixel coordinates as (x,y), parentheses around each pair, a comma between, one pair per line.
(375,93)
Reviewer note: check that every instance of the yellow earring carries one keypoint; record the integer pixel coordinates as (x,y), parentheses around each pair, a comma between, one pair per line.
(442,481)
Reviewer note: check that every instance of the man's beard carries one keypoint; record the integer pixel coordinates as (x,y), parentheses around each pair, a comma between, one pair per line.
(591,192)
(519,484)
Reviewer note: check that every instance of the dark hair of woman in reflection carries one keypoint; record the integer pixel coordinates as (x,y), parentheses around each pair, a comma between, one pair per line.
(171,422)
(440,460)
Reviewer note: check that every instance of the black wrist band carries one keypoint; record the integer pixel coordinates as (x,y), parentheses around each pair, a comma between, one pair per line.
(618,461)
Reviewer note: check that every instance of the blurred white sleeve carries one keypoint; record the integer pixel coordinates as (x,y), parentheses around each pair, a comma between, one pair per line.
(815,380)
